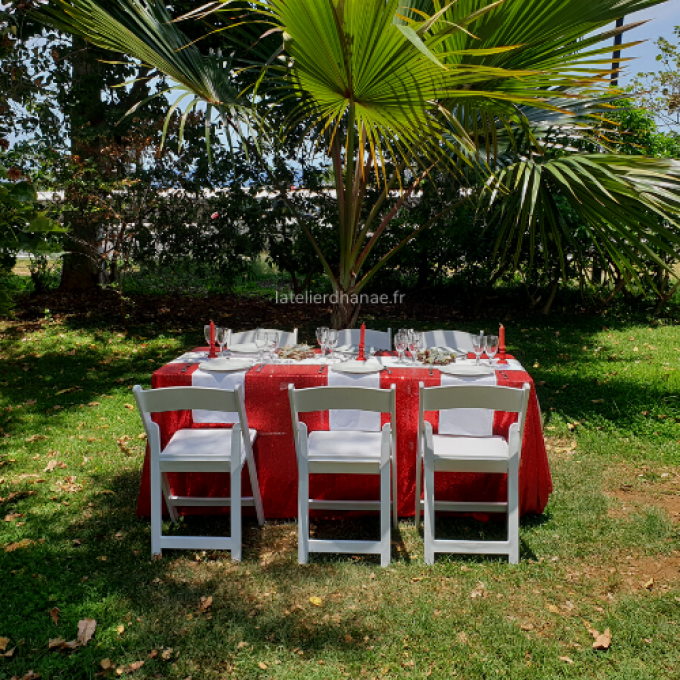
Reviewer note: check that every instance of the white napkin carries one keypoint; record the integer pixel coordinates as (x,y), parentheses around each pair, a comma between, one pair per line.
(470,422)
(365,421)
(224,381)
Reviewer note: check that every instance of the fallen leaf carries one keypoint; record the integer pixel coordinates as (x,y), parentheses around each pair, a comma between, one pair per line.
(120,629)
(86,629)
(206,603)
(3,643)
(50,466)
(242,644)
(650,584)
(54,615)
(23,543)
(12,516)
(602,641)
(167,654)
(527,626)
(566,659)
(597,401)
(153,654)
(35,438)
(316,601)
(130,406)
(55,643)
(10,653)
(262,665)
(552,608)
(93,403)
(141,436)
(106,664)
(135,666)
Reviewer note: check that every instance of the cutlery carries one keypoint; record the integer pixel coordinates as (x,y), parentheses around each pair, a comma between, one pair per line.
(260,367)
(388,371)
(322,369)
(505,375)
(185,368)
(431,371)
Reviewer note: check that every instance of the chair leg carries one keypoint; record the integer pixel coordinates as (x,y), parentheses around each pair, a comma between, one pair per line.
(236,540)
(419,462)
(165,485)
(156,508)
(303,512)
(385,535)
(428,529)
(513,511)
(255,486)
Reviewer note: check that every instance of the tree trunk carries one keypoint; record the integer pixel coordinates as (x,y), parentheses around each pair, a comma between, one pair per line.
(345,312)
(86,113)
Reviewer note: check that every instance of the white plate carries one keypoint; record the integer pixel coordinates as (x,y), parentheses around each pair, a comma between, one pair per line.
(225,365)
(357,367)
(347,349)
(243,348)
(451,350)
(465,370)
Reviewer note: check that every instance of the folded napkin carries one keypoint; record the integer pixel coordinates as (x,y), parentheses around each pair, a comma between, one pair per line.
(190,358)
(224,381)
(365,421)
(469,422)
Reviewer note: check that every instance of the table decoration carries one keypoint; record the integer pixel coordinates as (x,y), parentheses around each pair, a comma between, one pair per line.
(212,354)
(362,340)
(296,352)
(501,345)
(436,356)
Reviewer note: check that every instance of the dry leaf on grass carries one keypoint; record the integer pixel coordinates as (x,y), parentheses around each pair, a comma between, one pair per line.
(3,643)
(12,516)
(262,665)
(566,659)
(23,543)
(54,615)
(120,629)
(242,644)
(602,641)
(50,466)
(130,406)
(106,664)
(153,654)
(86,629)
(649,585)
(316,601)
(35,438)
(167,654)
(206,603)
(135,666)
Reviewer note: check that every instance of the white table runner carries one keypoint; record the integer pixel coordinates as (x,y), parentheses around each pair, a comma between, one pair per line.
(467,422)
(366,421)
(224,381)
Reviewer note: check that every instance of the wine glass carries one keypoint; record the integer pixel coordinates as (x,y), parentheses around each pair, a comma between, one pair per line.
(221,335)
(260,342)
(414,345)
(272,345)
(206,333)
(478,346)
(491,347)
(332,341)
(400,344)
(321,337)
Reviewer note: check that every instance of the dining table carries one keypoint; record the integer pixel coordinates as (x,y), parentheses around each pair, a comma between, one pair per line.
(268,411)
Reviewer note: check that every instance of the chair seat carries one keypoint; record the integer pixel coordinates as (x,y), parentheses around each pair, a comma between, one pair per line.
(202,449)
(470,454)
(347,446)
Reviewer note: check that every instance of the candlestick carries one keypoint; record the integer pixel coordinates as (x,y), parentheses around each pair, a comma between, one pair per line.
(212,354)
(362,339)
(501,345)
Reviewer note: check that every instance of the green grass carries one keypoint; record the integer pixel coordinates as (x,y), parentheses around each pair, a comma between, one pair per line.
(613,424)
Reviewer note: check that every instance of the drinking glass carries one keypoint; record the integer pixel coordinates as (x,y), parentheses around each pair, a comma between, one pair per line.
(414,345)
(221,335)
(332,341)
(206,333)
(272,345)
(478,346)
(260,342)
(321,337)
(491,347)
(400,344)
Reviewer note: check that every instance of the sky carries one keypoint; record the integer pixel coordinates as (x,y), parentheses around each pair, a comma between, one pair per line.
(660,23)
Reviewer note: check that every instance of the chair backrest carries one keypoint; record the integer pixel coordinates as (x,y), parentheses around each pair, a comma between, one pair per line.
(454,339)
(285,337)
(379,340)
(343,398)
(188,399)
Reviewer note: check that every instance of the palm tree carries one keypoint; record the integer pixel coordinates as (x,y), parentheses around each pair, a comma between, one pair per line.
(392,90)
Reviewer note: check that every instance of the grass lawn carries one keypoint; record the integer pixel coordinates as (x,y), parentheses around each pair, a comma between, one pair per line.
(603,556)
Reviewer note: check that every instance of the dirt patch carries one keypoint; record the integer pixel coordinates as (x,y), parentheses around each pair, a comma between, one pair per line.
(659,573)
(629,498)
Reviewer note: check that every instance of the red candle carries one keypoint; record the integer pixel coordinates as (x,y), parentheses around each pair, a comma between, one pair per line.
(501,344)
(212,340)
(361,342)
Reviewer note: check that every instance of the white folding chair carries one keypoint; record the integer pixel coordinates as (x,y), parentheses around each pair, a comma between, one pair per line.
(198,450)
(450,453)
(379,340)
(285,337)
(347,452)
(454,339)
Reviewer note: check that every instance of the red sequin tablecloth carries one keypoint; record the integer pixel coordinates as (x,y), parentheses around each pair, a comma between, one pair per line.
(268,411)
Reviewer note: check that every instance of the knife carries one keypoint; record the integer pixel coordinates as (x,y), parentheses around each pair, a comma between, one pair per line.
(388,371)
(322,369)
(260,367)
